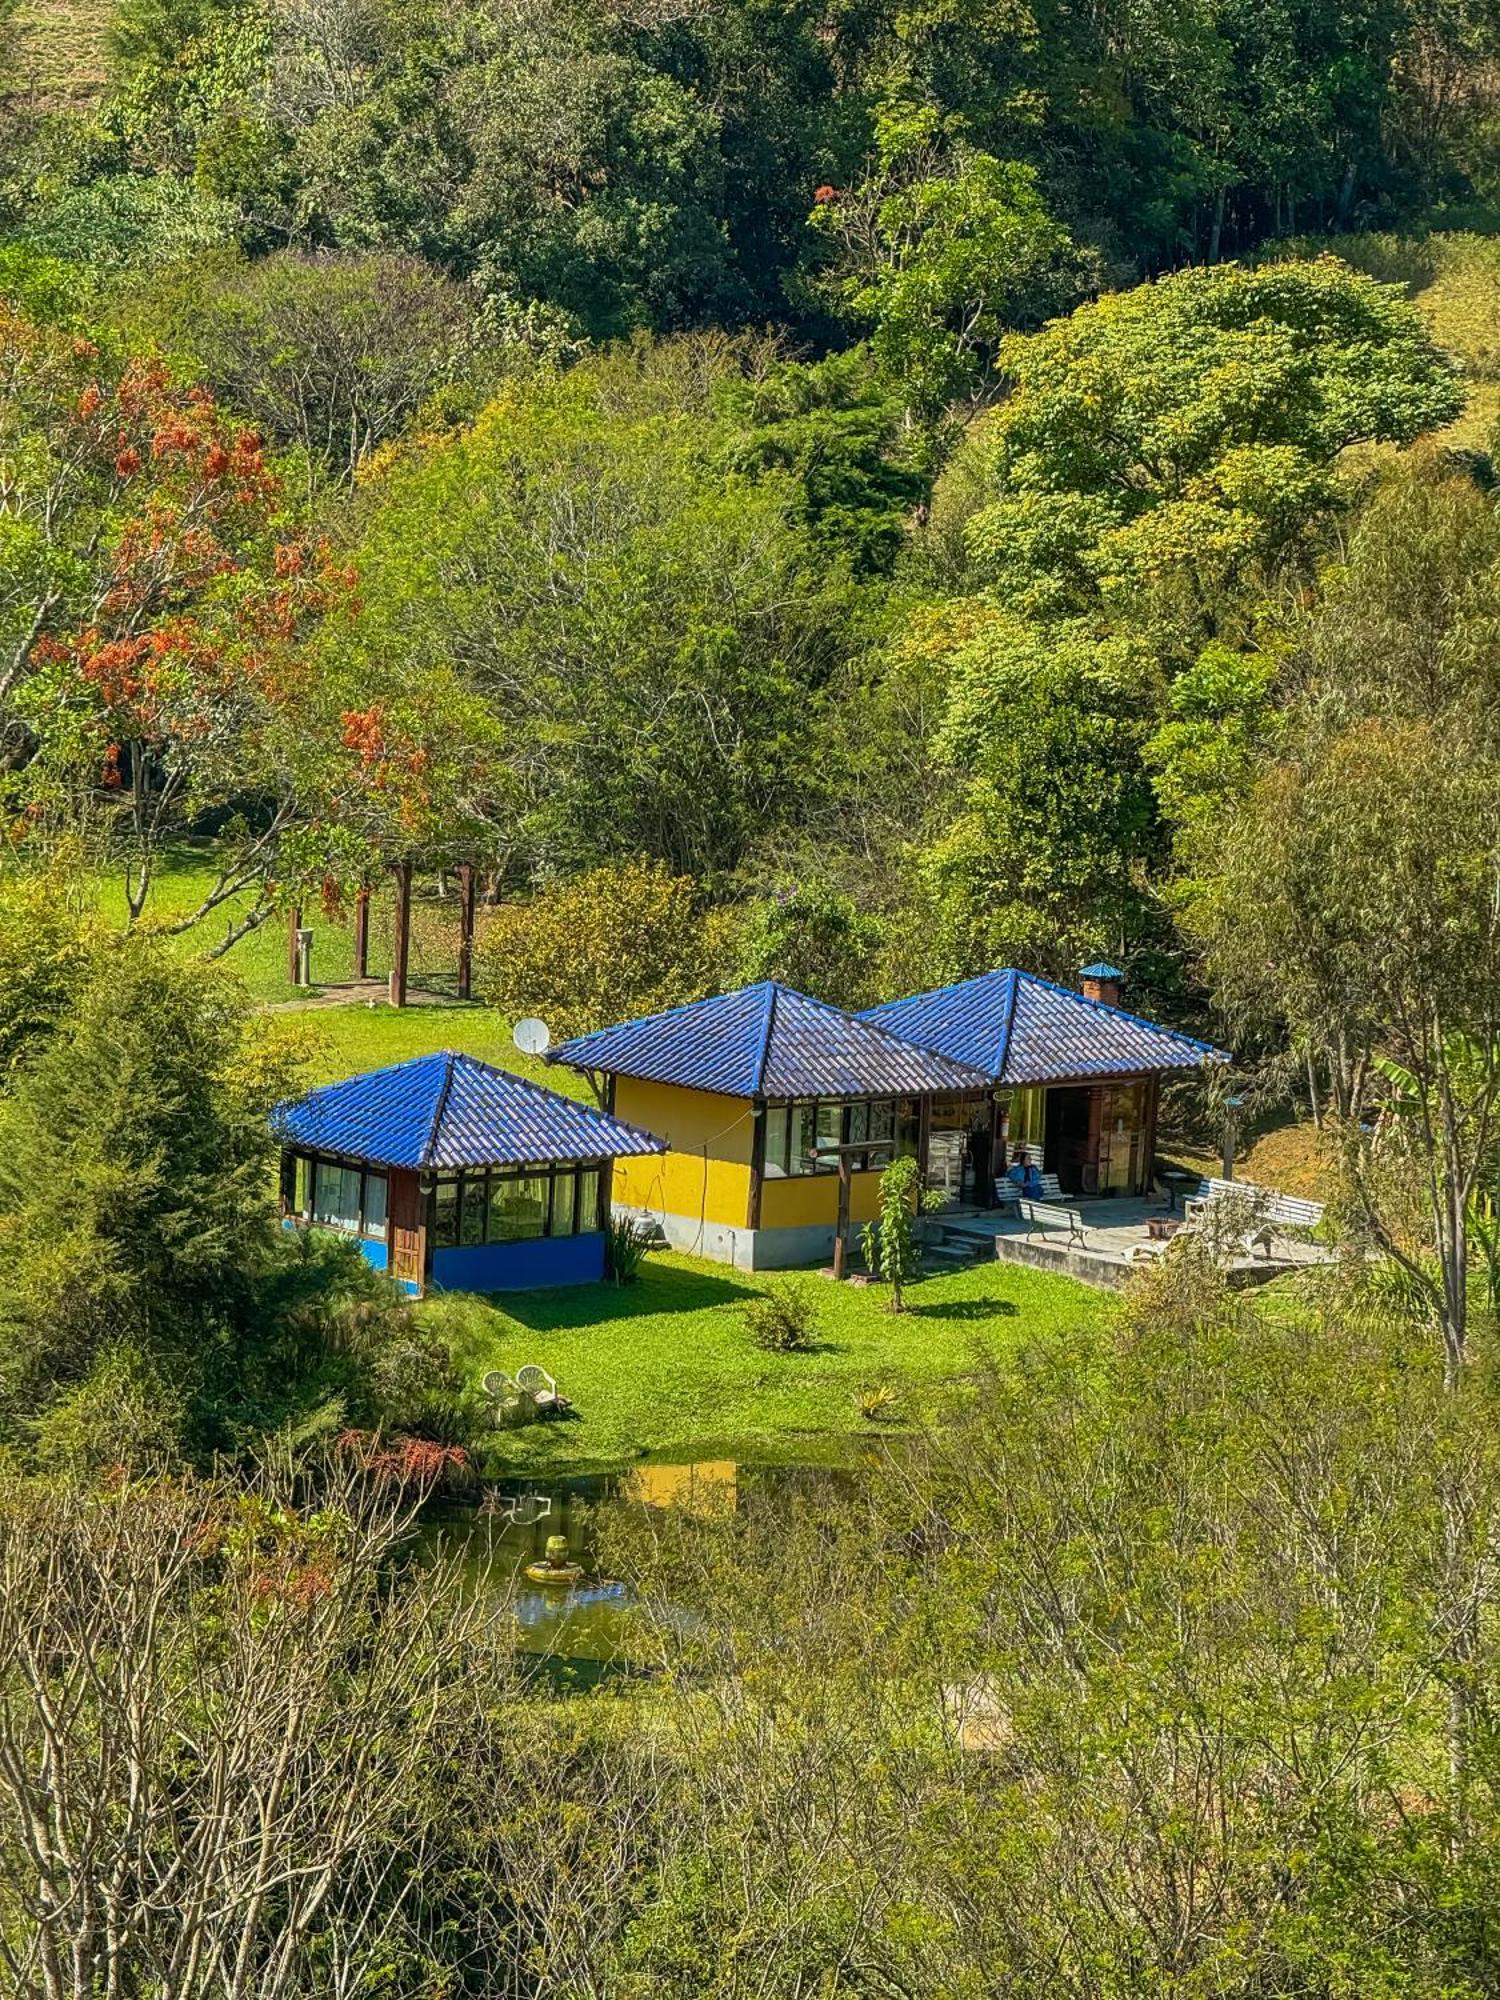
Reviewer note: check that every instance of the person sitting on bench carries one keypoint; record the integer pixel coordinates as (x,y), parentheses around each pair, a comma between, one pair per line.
(1024,1176)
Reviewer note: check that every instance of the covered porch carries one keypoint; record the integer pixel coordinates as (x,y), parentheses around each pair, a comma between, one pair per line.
(1098,1135)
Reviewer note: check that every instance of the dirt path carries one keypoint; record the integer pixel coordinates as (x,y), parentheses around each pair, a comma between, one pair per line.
(359,993)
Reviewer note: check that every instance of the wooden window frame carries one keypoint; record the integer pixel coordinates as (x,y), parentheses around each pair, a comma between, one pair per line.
(466,1178)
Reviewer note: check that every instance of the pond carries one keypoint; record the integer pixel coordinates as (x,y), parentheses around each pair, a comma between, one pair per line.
(581,1635)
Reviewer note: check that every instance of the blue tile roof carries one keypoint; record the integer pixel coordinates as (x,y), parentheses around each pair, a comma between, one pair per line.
(451,1110)
(1021,1029)
(767,1041)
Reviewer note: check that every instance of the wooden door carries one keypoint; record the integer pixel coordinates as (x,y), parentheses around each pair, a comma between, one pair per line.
(408,1222)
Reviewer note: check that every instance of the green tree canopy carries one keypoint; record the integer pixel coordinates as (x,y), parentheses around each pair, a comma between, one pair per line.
(814,938)
(613,942)
(1162,445)
(940,260)
(1039,861)
(651,634)
(136,1193)
(332,354)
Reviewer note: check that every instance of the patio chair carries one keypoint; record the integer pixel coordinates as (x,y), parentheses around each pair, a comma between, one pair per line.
(499,1386)
(539,1386)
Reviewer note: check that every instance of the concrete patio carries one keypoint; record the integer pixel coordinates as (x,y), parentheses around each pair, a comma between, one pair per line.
(1112,1231)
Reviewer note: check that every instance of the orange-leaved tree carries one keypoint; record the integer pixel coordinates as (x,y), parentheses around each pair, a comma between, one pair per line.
(155,603)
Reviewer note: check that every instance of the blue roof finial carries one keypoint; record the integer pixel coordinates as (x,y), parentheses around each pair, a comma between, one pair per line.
(1100,971)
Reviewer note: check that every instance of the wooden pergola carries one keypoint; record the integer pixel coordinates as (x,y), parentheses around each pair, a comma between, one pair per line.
(397,984)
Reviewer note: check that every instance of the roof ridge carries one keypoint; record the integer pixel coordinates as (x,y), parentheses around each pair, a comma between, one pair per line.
(662,1014)
(1124,1013)
(933,992)
(366,1075)
(591,1112)
(1014,975)
(424,1158)
(905,1041)
(758,1074)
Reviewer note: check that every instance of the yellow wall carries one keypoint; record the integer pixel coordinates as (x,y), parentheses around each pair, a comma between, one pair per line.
(810,1198)
(1028,1117)
(706,1172)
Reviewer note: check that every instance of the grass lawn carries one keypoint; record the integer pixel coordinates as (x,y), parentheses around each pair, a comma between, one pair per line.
(341,1041)
(665,1367)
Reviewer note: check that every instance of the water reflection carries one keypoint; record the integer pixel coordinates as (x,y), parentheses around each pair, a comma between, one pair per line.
(587,1633)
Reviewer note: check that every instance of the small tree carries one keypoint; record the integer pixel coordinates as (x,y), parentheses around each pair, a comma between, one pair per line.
(1357,906)
(890,1242)
(136,1191)
(611,943)
(814,938)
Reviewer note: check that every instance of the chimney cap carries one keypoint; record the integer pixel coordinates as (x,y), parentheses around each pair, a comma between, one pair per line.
(1100,971)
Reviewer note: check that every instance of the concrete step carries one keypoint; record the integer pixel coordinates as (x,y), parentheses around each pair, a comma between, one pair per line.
(945,1252)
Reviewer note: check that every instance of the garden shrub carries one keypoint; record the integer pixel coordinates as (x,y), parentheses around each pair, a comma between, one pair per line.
(626,1244)
(608,945)
(782,1320)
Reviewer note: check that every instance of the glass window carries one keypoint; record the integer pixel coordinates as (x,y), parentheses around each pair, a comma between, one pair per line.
(828,1131)
(801,1131)
(776,1132)
(302,1185)
(588,1199)
(473,1214)
(908,1128)
(445,1215)
(875,1121)
(519,1208)
(564,1189)
(336,1196)
(375,1203)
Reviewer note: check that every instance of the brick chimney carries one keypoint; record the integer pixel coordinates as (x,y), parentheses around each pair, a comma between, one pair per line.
(1101,982)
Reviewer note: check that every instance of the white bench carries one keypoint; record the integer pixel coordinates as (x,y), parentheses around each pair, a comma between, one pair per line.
(1285,1211)
(1271,1210)
(1052,1211)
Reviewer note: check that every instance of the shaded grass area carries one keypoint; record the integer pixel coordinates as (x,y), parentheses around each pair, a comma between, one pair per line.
(1281,1149)
(62,49)
(666,1367)
(186,874)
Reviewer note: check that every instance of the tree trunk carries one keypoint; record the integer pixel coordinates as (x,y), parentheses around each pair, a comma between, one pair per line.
(402,943)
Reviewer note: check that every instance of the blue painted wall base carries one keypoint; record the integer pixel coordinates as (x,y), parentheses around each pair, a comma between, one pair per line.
(516,1267)
(375,1253)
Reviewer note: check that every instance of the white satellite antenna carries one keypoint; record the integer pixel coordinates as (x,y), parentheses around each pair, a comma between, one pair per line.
(531,1036)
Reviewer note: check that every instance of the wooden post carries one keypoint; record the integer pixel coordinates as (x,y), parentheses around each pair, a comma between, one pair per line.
(757,1162)
(362,932)
(995,1155)
(1153,1107)
(845,1184)
(1091,1145)
(1231,1135)
(402,952)
(465,929)
(924,1135)
(291,944)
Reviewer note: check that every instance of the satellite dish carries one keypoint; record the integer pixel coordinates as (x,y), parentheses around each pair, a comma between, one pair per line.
(531,1036)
